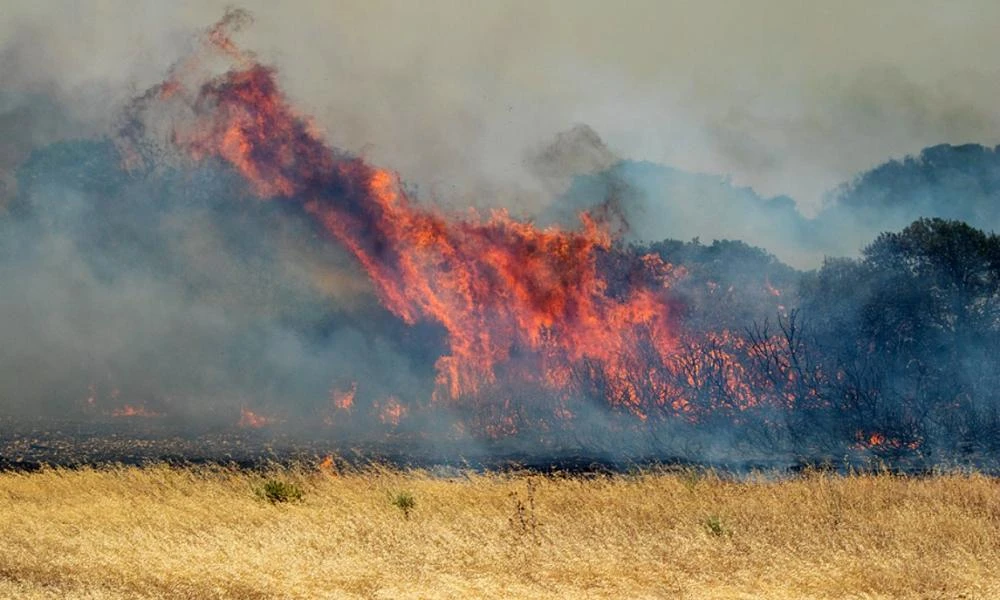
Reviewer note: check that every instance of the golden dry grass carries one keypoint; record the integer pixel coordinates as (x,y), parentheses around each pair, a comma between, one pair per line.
(188,533)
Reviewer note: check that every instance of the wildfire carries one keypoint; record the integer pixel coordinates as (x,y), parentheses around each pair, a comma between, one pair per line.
(391,411)
(129,410)
(327,466)
(879,441)
(528,312)
(344,399)
(341,401)
(252,420)
(540,304)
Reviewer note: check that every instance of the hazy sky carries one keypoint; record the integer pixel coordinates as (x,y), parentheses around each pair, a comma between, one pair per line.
(789,97)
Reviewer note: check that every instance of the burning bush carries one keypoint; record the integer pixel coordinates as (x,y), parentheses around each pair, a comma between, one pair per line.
(482,326)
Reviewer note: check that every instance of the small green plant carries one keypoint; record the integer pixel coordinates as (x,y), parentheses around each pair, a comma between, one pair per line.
(715,526)
(404,501)
(276,490)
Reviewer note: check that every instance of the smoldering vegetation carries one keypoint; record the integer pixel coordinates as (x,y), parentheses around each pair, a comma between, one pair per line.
(172,289)
(169,291)
(891,354)
(884,352)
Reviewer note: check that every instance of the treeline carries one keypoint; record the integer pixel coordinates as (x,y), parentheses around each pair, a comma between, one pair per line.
(896,352)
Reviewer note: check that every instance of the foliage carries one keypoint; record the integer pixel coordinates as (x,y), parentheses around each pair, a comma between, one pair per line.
(277,490)
(893,353)
(405,501)
(903,342)
(715,526)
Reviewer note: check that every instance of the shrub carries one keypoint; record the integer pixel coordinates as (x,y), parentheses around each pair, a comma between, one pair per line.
(275,490)
(715,526)
(404,501)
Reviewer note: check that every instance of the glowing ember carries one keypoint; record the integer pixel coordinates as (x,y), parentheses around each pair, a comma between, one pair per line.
(134,411)
(326,465)
(391,411)
(344,399)
(252,420)
(879,441)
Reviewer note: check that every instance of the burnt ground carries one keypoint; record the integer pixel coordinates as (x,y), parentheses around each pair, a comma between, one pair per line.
(30,445)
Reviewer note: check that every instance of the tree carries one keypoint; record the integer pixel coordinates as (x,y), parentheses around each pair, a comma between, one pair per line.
(909,334)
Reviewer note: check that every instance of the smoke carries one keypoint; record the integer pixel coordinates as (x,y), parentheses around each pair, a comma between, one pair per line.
(658,201)
(33,113)
(176,290)
(165,287)
(450,95)
(141,267)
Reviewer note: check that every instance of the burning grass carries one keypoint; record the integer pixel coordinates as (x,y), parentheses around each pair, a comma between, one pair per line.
(204,533)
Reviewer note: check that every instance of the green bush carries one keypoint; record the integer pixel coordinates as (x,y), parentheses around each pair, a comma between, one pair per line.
(275,491)
(404,501)
(715,526)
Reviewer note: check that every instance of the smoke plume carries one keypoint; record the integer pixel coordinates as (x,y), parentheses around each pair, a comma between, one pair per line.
(214,257)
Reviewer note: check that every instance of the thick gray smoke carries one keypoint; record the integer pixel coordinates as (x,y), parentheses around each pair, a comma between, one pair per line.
(951,182)
(177,291)
(789,98)
(170,287)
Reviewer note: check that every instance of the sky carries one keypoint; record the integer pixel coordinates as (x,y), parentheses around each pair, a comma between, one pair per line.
(787,97)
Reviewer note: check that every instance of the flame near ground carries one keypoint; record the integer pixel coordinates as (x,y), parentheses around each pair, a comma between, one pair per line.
(525,309)
(217,265)
(500,329)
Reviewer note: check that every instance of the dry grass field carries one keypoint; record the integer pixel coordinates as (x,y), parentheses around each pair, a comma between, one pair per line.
(162,532)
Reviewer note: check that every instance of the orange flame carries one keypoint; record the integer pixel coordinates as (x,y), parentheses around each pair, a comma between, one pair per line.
(392,411)
(326,465)
(344,400)
(878,440)
(540,303)
(134,411)
(341,403)
(543,309)
(252,420)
